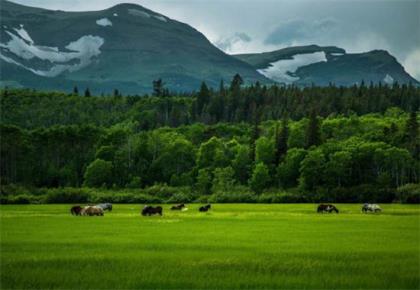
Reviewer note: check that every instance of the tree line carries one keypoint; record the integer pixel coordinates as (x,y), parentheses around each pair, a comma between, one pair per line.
(231,103)
(341,158)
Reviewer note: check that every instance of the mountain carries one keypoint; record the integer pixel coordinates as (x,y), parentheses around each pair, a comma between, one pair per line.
(124,47)
(306,65)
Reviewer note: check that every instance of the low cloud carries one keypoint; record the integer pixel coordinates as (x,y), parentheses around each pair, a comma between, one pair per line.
(412,64)
(302,31)
(233,43)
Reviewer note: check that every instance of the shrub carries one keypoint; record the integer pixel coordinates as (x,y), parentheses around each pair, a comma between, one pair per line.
(282,197)
(181,198)
(22,199)
(409,193)
(67,195)
(237,194)
(161,190)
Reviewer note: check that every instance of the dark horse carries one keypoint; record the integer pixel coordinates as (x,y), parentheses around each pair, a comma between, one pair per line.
(327,208)
(76,210)
(205,208)
(149,210)
(178,207)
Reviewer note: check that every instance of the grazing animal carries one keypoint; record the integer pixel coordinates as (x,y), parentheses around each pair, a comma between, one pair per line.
(76,210)
(178,207)
(150,210)
(105,206)
(371,207)
(329,208)
(92,211)
(204,208)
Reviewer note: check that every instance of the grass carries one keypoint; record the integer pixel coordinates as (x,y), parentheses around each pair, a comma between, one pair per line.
(233,246)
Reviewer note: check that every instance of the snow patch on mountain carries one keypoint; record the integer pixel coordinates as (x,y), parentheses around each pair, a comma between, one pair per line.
(104,22)
(115,14)
(137,12)
(23,34)
(79,54)
(283,70)
(161,18)
(388,79)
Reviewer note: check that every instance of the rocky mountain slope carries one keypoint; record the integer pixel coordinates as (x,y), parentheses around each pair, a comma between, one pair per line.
(126,47)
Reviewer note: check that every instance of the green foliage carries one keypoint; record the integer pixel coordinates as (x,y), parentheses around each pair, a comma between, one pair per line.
(409,193)
(223,180)
(66,195)
(260,178)
(136,143)
(99,172)
(264,151)
(311,170)
(289,170)
(204,180)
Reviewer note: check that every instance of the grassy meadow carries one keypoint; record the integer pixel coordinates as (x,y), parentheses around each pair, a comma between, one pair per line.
(232,246)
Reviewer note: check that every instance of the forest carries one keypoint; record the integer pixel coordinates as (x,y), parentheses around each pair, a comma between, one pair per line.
(236,144)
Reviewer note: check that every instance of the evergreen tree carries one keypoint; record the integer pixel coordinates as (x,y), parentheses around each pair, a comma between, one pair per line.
(313,134)
(75,91)
(236,83)
(87,92)
(116,93)
(281,141)
(158,88)
(412,135)
(203,97)
(254,136)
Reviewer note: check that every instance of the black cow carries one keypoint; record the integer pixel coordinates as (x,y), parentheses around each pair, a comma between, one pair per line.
(204,208)
(150,210)
(329,208)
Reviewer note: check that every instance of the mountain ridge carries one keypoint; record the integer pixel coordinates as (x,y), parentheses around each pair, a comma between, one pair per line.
(322,65)
(128,46)
(125,45)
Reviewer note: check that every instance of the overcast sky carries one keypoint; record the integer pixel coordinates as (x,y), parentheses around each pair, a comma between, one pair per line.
(263,25)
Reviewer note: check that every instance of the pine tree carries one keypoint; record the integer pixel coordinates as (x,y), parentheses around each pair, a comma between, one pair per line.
(313,135)
(117,93)
(158,88)
(203,97)
(281,140)
(412,135)
(87,92)
(254,136)
(75,91)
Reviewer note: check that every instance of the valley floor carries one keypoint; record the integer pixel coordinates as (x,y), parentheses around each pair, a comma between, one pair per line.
(232,246)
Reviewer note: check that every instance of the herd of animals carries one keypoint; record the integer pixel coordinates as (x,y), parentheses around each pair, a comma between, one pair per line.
(148,210)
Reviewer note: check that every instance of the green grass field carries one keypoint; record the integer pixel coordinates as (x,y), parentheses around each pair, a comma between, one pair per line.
(233,246)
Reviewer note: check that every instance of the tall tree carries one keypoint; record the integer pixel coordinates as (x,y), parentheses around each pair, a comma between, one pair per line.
(281,141)
(75,91)
(313,134)
(203,97)
(253,140)
(412,135)
(87,92)
(158,88)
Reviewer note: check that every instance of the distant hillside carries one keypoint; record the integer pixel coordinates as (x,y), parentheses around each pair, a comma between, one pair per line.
(306,65)
(125,47)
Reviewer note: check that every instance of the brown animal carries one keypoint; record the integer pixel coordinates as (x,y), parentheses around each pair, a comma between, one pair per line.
(76,210)
(92,211)
(178,207)
(150,210)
